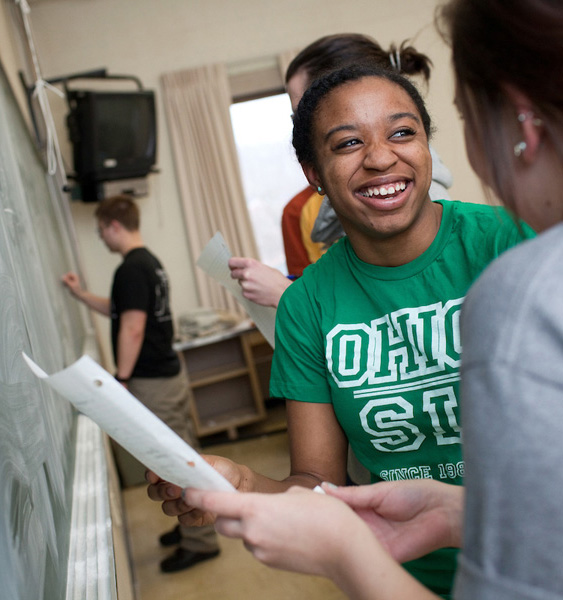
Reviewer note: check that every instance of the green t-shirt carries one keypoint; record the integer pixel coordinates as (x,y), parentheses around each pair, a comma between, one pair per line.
(382,344)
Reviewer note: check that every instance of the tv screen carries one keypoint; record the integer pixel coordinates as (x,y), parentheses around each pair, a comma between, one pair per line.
(113,134)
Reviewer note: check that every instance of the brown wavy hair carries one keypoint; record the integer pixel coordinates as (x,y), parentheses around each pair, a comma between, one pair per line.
(333,52)
(121,208)
(496,43)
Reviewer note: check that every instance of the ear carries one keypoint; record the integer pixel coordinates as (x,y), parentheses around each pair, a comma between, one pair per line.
(312,176)
(529,124)
(115,225)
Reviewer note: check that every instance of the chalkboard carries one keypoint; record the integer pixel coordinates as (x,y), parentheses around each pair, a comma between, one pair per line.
(37,316)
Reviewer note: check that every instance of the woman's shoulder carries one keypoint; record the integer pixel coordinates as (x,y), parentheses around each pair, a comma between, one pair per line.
(532,263)
(322,275)
(487,223)
(476,211)
(516,296)
(330,262)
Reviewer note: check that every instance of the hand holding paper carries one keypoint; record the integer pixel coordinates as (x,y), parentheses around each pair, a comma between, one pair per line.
(214,260)
(95,393)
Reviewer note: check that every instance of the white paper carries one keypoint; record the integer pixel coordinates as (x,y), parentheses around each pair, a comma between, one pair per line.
(214,260)
(96,393)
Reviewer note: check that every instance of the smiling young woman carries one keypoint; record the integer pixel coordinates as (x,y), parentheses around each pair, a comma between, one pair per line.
(369,336)
(367,340)
(373,161)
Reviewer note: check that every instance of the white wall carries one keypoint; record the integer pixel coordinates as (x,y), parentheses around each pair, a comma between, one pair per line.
(147,38)
(8,53)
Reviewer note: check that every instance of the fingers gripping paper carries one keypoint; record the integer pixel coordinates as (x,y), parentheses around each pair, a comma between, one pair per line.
(214,260)
(95,393)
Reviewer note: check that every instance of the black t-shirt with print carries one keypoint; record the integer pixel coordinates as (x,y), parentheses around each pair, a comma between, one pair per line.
(141,283)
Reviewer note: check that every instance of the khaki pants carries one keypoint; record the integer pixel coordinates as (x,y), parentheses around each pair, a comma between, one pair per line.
(168,399)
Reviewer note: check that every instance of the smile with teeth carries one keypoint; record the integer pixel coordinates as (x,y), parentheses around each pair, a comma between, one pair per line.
(385,190)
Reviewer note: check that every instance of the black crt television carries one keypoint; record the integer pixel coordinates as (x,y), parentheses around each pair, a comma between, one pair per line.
(113,134)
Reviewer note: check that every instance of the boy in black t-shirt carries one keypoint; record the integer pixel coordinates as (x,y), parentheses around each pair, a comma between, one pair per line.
(142,333)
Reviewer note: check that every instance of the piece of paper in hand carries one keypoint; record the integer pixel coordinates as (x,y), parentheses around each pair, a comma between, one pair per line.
(214,259)
(96,393)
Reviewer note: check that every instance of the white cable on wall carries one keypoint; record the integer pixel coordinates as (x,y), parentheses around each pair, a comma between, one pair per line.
(54,157)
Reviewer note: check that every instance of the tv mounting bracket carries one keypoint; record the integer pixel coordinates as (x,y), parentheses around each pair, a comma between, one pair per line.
(64,79)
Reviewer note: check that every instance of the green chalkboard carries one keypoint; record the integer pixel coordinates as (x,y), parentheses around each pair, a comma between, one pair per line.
(38,317)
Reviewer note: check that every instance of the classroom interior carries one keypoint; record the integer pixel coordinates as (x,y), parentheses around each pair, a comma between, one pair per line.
(152,40)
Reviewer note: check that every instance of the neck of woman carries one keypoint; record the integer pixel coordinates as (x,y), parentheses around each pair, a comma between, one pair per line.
(399,247)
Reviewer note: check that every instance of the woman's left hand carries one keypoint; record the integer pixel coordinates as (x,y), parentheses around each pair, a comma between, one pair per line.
(311,533)
(298,530)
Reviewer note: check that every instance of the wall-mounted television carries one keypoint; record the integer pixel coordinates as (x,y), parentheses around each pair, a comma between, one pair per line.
(113,134)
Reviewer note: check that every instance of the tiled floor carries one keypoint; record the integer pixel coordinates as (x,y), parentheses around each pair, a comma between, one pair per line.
(235,574)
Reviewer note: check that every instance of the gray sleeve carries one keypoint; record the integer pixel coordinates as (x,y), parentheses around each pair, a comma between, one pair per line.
(442,178)
(512,418)
(513,449)
(327,228)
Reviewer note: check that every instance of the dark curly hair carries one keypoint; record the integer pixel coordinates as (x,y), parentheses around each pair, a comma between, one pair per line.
(303,120)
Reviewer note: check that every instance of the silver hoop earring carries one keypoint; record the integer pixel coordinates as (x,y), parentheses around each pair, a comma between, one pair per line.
(519,148)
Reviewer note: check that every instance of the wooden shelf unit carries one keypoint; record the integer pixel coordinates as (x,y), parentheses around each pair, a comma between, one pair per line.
(229,377)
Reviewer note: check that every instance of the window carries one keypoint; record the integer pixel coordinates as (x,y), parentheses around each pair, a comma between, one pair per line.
(270,172)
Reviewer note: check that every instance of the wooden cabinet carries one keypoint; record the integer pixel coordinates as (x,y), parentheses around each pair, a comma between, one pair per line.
(229,376)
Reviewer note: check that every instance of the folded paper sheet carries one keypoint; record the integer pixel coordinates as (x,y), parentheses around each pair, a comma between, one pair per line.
(214,260)
(95,393)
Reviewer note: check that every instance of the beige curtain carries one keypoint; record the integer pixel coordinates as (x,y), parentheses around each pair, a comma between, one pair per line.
(197,104)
